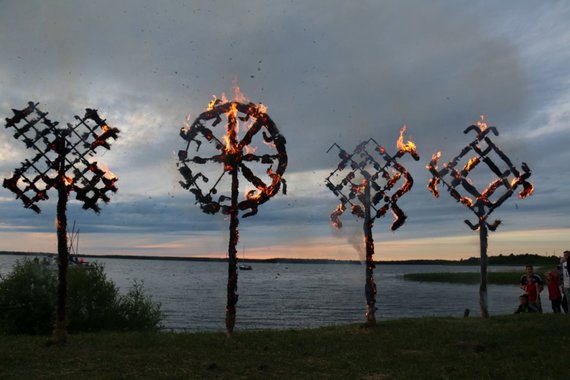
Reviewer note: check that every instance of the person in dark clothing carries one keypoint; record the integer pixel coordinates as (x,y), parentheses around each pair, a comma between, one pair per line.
(565,263)
(525,306)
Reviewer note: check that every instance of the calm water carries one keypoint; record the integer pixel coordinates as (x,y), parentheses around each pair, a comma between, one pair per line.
(193,294)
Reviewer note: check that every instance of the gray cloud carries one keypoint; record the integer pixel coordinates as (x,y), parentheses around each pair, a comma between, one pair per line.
(329,71)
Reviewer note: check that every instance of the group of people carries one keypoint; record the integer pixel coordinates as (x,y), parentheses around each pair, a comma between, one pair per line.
(557,283)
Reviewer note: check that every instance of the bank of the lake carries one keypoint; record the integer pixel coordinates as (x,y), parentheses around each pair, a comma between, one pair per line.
(509,277)
(426,348)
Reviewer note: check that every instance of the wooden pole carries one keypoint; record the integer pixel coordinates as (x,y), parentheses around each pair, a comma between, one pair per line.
(483,300)
(232,297)
(370,285)
(60,328)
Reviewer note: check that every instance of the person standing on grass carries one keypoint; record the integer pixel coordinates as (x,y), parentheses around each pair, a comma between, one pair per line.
(554,294)
(565,282)
(532,285)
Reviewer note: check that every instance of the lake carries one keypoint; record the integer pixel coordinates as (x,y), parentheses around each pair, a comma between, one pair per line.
(193,294)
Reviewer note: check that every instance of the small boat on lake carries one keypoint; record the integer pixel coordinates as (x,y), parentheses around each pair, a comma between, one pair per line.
(244,266)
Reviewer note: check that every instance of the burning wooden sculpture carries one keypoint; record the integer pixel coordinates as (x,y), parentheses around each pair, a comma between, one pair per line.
(366,189)
(235,156)
(62,162)
(482,203)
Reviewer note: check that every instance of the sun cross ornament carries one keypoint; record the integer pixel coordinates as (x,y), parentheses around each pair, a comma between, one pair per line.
(63,161)
(235,156)
(366,181)
(454,176)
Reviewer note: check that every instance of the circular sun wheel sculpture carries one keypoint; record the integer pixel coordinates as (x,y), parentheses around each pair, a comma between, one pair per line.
(236,156)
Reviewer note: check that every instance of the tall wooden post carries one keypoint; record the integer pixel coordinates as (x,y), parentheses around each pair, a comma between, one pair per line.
(483,300)
(370,285)
(60,328)
(232,297)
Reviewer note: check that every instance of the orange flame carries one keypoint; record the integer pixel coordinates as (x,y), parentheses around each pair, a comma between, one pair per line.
(471,163)
(269,190)
(432,186)
(361,188)
(261,108)
(108,174)
(482,124)
(409,146)
(232,113)
(212,103)
(528,188)
(466,201)
(335,221)
(434,160)
(493,186)
(238,95)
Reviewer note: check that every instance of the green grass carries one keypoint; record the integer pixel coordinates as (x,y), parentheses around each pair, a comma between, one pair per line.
(506,347)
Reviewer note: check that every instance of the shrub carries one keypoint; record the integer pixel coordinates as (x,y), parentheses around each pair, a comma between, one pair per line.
(138,310)
(28,299)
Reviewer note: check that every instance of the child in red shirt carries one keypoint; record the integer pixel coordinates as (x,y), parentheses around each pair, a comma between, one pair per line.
(554,294)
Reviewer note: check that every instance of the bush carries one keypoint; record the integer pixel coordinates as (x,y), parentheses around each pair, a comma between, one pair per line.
(28,299)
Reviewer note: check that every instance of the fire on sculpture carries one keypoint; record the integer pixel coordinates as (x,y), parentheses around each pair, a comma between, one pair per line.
(235,155)
(63,161)
(366,189)
(480,202)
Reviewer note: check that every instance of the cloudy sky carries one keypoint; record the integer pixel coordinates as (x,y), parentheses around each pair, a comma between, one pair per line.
(329,71)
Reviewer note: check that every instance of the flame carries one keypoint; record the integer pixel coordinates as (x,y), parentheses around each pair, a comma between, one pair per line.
(68,180)
(212,103)
(466,201)
(232,114)
(493,186)
(108,173)
(261,108)
(471,163)
(269,191)
(432,186)
(482,124)
(335,221)
(434,160)
(361,188)
(528,188)
(238,95)
(409,146)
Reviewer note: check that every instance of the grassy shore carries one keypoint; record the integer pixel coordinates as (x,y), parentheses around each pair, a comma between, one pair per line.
(506,347)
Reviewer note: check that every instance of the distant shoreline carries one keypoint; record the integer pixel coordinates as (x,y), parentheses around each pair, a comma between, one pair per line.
(521,259)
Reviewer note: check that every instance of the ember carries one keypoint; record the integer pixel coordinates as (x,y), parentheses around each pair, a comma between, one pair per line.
(61,162)
(482,206)
(369,198)
(235,155)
